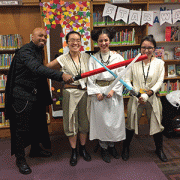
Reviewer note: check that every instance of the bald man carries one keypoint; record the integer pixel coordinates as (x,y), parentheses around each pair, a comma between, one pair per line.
(27,95)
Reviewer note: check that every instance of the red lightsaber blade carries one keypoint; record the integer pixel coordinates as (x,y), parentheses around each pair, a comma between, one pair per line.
(111,66)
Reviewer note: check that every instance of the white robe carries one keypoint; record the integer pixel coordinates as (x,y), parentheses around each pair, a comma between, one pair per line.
(107,122)
(154,82)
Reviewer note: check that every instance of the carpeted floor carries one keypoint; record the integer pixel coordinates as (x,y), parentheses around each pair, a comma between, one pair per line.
(171,147)
(140,166)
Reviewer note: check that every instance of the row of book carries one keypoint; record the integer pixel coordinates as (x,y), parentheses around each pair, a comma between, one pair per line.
(3,121)
(3,79)
(123,38)
(169,86)
(2,100)
(100,20)
(166,88)
(160,53)
(10,41)
(5,60)
(172,33)
(129,53)
(173,70)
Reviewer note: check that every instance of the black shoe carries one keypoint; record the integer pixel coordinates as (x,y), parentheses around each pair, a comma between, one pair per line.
(23,166)
(113,152)
(73,159)
(82,151)
(161,155)
(40,153)
(105,155)
(125,153)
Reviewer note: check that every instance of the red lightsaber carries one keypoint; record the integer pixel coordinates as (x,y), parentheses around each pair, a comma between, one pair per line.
(111,66)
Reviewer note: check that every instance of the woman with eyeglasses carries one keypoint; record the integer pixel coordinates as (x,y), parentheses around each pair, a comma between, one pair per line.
(74,102)
(146,77)
(107,122)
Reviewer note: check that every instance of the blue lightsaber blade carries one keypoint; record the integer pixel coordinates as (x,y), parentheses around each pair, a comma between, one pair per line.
(133,92)
(125,84)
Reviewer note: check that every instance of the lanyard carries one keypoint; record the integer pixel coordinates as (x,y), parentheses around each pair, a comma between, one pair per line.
(105,62)
(145,77)
(75,64)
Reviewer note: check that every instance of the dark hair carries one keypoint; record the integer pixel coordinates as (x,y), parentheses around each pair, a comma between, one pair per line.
(96,33)
(71,32)
(149,38)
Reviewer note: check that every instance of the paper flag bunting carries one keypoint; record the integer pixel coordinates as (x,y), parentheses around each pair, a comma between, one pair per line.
(147,17)
(165,16)
(176,15)
(109,10)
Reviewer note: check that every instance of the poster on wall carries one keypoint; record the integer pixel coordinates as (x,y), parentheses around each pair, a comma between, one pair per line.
(71,16)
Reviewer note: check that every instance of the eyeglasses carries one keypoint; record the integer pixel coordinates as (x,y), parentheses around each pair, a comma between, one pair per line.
(74,40)
(148,48)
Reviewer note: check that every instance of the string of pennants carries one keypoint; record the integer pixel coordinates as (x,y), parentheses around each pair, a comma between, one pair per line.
(140,17)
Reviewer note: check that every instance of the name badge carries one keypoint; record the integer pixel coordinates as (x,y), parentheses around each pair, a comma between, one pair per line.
(143,91)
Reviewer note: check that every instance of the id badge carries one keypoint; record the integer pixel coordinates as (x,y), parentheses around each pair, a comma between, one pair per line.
(143,91)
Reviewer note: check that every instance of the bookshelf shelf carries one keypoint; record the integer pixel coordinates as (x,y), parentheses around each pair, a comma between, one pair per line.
(125,45)
(4,127)
(172,78)
(169,42)
(7,51)
(126,25)
(172,61)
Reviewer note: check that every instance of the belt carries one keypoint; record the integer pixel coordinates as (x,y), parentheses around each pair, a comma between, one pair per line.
(70,86)
(103,83)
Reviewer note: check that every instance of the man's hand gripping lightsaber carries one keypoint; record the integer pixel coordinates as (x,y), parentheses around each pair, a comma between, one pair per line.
(118,78)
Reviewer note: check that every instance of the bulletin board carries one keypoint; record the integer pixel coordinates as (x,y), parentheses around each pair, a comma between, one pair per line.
(60,18)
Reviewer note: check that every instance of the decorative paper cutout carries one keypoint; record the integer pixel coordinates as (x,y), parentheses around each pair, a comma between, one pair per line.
(134,17)
(147,17)
(165,16)
(58,102)
(176,15)
(109,10)
(122,14)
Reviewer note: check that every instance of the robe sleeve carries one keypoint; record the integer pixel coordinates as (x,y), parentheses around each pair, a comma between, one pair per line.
(160,80)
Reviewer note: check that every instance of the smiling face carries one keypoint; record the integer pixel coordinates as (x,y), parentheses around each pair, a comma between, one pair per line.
(74,42)
(147,48)
(103,43)
(39,37)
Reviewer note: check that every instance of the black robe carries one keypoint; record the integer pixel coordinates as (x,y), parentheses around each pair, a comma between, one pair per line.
(26,74)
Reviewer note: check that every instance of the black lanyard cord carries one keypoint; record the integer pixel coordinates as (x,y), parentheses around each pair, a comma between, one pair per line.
(145,77)
(75,64)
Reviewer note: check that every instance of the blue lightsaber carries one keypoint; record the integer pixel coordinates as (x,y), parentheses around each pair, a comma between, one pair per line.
(133,92)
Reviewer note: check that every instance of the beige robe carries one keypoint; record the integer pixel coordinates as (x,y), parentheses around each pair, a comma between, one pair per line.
(154,82)
(75,94)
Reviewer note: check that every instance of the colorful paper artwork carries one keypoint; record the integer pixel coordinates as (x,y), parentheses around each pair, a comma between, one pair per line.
(73,16)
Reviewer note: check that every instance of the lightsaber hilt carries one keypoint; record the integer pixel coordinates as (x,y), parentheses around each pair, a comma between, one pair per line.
(77,77)
(134,93)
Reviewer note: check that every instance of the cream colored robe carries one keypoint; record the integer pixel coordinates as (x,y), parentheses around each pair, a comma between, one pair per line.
(154,82)
(75,94)
(107,122)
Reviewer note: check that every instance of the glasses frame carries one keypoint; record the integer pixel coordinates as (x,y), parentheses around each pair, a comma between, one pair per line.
(74,40)
(148,48)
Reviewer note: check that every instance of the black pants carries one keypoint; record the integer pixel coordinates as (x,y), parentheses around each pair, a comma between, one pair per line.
(28,126)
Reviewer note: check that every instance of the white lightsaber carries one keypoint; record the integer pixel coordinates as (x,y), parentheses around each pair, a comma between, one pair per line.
(121,74)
